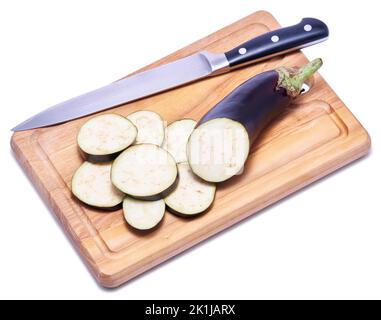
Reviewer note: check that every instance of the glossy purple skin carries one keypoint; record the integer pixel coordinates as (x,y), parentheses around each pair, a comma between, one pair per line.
(254,103)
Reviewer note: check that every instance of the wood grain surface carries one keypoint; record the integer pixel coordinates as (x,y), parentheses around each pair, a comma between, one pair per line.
(313,137)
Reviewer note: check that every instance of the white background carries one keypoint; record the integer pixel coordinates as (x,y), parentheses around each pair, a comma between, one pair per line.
(323,242)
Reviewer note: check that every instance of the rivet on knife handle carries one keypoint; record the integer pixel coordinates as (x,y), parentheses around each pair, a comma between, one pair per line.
(308,32)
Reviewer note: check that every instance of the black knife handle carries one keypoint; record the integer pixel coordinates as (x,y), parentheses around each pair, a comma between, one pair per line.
(306,33)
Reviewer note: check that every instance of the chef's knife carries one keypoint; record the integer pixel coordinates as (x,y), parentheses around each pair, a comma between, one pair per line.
(197,66)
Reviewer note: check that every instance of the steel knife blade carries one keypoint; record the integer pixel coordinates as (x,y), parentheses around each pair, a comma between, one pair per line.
(194,67)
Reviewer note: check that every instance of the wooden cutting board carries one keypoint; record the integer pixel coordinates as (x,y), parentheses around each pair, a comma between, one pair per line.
(312,138)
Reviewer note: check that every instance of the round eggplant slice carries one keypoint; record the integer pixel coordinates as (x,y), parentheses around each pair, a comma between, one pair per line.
(176,138)
(218,149)
(92,185)
(144,171)
(192,195)
(142,214)
(150,127)
(103,137)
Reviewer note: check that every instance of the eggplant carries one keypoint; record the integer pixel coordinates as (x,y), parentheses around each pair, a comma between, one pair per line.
(219,146)
(150,127)
(143,215)
(103,137)
(144,171)
(192,195)
(92,185)
(176,138)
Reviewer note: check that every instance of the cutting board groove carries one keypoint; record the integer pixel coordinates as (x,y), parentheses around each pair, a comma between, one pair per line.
(313,137)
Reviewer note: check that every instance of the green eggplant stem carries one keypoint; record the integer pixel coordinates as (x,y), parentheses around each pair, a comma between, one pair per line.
(293,79)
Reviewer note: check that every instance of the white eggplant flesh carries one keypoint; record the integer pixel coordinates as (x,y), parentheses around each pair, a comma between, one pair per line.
(217,149)
(192,195)
(92,185)
(144,171)
(106,135)
(176,138)
(142,214)
(150,127)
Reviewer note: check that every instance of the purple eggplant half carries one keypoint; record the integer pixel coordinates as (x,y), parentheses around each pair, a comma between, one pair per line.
(219,146)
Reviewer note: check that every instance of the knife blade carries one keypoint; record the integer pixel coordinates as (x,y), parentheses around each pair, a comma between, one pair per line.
(194,67)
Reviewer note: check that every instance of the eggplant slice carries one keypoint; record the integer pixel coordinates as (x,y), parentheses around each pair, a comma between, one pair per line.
(142,214)
(218,149)
(150,127)
(92,185)
(144,171)
(192,195)
(104,136)
(176,138)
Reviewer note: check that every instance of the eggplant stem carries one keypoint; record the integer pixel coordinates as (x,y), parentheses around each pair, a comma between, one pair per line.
(292,80)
